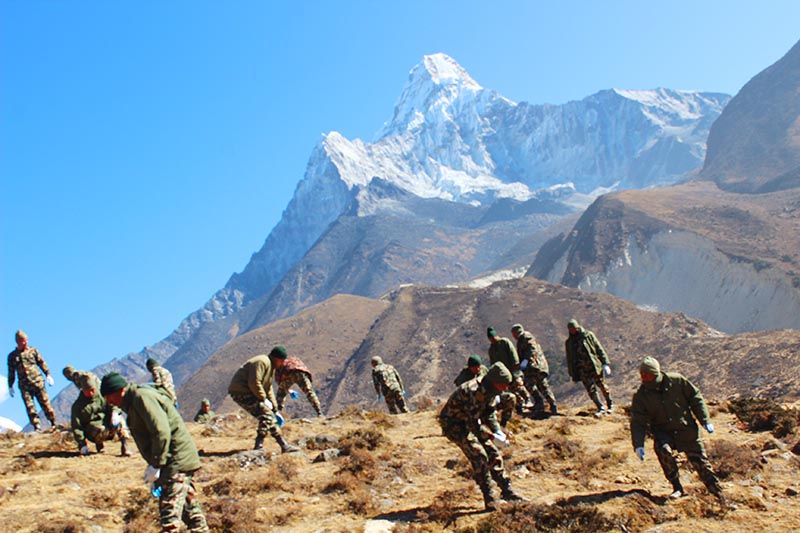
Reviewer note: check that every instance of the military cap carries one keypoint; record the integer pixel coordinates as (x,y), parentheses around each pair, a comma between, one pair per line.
(376,360)
(19,335)
(517,327)
(68,371)
(112,382)
(151,363)
(205,402)
(573,324)
(279,352)
(490,332)
(498,373)
(474,360)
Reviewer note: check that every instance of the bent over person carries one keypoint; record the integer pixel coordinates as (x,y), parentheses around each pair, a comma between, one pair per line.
(388,383)
(587,362)
(469,420)
(166,446)
(251,388)
(94,420)
(668,405)
(294,371)
(24,363)
(162,378)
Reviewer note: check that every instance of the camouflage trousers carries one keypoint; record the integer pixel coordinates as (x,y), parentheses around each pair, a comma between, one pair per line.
(484,457)
(178,503)
(267,423)
(395,401)
(513,399)
(29,392)
(592,381)
(304,382)
(100,434)
(536,382)
(688,442)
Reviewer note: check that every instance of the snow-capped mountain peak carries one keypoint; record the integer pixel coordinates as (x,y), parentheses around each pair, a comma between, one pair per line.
(442,69)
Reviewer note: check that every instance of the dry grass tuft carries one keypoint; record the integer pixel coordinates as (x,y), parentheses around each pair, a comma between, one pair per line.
(544,518)
(140,511)
(380,419)
(62,526)
(361,502)
(764,414)
(561,448)
(226,515)
(342,483)
(730,460)
(103,499)
(23,463)
(361,464)
(364,438)
(426,403)
(445,506)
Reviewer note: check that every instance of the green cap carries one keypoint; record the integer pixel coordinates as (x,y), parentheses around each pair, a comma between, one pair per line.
(474,360)
(490,332)
(205,402)
(279,352)
(68,371)
(151,363)
(112,382)
(498,373)
(573,324)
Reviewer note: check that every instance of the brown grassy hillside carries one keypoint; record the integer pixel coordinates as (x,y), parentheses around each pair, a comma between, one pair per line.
(398,474)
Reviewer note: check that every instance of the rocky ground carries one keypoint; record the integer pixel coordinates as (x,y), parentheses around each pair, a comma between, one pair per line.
(397,473)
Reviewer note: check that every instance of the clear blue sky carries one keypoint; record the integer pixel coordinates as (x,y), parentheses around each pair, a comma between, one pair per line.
(148,148)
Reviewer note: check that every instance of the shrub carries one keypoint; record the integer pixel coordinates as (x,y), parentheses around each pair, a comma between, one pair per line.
(732,460)
(361,464)
(364,438)
(764,414)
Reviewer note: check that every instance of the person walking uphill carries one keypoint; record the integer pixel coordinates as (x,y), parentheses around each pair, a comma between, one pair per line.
(469,420)
(24,363)
(502,350)
(251,388)
(388,383)
(166,446)
(667,404)
(292,371)
(587,362)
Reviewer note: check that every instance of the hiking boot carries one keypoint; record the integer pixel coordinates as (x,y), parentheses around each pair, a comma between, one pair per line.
(600,412)
(509,495)
(124,451)
(553,409)
(99,446)
(259,445)
(677,491)
(610,408)
(285,446)
(490,503)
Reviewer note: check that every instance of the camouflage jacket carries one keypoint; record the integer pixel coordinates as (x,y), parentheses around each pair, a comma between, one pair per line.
(503,351)
(667,406)
(255,377)
(584,344)
(528,348)
(202,417)
(471,405)
(88,412)
(289,365)
(159,431)
(163,378)
(467,375)
(385,378)
(82,377)
(23,364)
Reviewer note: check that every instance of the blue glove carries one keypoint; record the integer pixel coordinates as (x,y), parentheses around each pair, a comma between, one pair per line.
(155,490)
(640,452)
(293,394)
(404,394)
(524,364)
(380,397)
(709,427)
(280,419)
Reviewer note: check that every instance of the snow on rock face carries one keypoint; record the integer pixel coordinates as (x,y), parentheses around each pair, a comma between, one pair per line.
(729,295)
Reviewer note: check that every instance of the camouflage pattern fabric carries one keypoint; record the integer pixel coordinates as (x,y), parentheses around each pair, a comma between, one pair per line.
(91,420)
(396,402)
(387,382)
(267,423)
(469,419)
(204,418)
(178,503)
(537,384)
(82,378)
(584,351)
(25,365)
(503,351)
(666,444)
(529,348)
(592,382)
(163,378)
(535,375)
(300,378)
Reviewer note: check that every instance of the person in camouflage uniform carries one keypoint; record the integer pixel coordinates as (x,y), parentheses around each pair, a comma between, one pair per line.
(587,362)
(94,420)
(292,371)
(474,369)
(251,388)
(162,378)
(166,446)
(502,350)
(668,405)
(204,414)
(23,363)
(77,377)
(388,383)
(534,368)
(469,420)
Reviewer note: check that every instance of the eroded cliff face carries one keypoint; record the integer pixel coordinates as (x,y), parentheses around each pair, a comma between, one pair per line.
(682,271)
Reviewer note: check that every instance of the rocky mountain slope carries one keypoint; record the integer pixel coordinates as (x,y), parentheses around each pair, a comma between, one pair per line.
(427,334)
(378,473)
(462,149)
(726,251)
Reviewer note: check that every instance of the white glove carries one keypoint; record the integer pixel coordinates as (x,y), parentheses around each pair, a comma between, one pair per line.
(709,427)
(606,370)
(524,364)
(151,474)
(85,450)
(640,452)
(500,438)
(267,404)
(116,419)
(496,401)
(50,380)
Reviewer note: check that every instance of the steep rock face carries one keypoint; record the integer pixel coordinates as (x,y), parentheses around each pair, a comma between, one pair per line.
(754,146)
